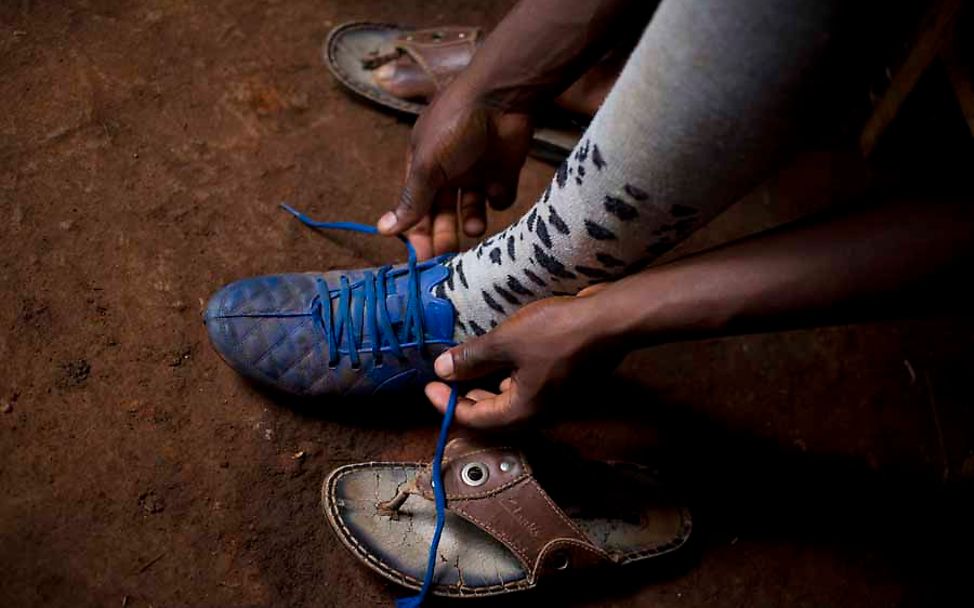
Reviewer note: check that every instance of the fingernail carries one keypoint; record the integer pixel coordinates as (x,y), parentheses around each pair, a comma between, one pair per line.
(444,365)
(387,222)
(473,227)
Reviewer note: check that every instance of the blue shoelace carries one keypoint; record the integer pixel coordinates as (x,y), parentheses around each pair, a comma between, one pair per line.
(375,320)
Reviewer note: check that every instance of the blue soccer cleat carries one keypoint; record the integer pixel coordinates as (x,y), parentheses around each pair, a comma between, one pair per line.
(357,332)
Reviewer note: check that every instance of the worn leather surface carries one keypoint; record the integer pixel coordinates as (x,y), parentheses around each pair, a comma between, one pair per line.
(601,514)
(442,52)
(512,507)
(471,562)
(264,327)
(348,49)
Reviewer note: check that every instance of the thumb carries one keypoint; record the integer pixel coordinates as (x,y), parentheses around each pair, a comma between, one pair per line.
(474,358)
(422,183)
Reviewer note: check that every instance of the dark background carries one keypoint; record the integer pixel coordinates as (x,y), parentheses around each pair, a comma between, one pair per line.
(144,147)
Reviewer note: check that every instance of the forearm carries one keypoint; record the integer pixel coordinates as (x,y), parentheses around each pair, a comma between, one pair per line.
(542,46)
(880,262)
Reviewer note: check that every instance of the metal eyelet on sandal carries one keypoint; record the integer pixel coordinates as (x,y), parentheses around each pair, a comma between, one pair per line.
(559,560)
(474,474)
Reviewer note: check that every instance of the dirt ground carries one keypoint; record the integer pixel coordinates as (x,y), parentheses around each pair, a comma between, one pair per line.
(144,147)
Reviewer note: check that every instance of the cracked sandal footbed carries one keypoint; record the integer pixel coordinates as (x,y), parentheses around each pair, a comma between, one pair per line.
(353,50)
(509,524)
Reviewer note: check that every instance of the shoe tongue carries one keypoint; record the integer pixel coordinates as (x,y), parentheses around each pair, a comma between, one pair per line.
(437,313)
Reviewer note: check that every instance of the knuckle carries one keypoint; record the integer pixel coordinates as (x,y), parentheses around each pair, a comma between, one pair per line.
(407,201)
(464,357)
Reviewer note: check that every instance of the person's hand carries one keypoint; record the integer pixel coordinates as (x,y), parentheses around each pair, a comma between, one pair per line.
(543,344)
(462,155)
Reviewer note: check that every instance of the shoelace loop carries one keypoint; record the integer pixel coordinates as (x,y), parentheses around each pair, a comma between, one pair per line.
(341,329)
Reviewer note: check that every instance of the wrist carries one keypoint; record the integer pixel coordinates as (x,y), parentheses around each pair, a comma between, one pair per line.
(601,326)
(494,92)
(660,305)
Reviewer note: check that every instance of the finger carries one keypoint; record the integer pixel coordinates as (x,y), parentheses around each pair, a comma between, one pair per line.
(506,167)
(473,213)
(479,394)
(475,357)
(445,238)
(487,413)
(439,395)
(501,194)
(506,384)
(421,239)
(423,180)
(494,411)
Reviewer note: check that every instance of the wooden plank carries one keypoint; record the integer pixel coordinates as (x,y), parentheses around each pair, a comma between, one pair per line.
(937,27)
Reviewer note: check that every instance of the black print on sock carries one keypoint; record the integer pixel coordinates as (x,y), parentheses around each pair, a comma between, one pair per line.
(547,194)
(619,208)
(449,278)
(561,175)
(510,248)
(531,217)
(637,265)
(682,211)
(556,268)
(480,250)
(493,324)
(543,233)
(659,247)
(463,278)
(609,261)
(518,287)
(489,299)
(535,278)
(440,291)
(582,153)
(495,255)
(506,295)
(477,329)
(598,232)
(685,226)
(636,193)
(561,293)
(596,273)
(557,222)
(597,159)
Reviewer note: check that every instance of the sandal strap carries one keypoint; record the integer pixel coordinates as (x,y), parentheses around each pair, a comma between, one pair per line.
(493,488)
(442,52)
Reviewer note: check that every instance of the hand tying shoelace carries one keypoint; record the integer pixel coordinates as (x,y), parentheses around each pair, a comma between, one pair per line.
(374,318)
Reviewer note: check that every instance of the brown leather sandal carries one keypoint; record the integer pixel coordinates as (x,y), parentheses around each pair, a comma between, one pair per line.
(505,530)
(353,51)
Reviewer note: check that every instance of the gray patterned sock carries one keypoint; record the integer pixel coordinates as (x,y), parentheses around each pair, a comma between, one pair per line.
(697,117)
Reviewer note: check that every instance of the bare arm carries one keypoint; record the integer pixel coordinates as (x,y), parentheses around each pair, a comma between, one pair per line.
(542,46)
(896,259)
(901,258)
